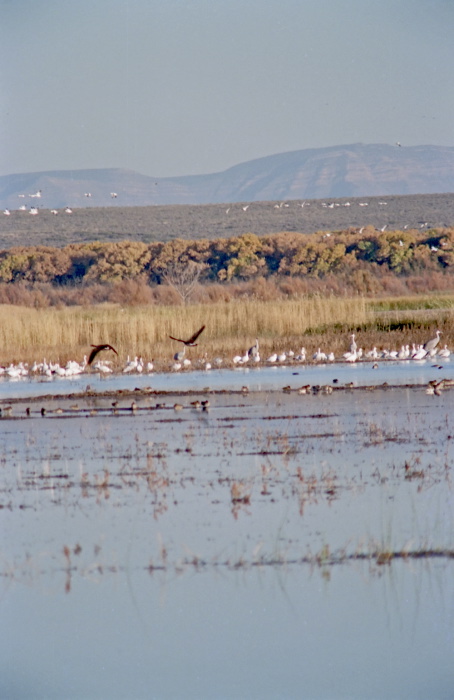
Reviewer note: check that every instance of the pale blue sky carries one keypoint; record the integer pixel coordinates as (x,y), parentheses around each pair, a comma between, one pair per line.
(179,87)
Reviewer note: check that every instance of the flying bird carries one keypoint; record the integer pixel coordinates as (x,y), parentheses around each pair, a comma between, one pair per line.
(190,341)
(97,349)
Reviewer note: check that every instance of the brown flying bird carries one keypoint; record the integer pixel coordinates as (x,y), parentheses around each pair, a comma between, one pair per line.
(190,341)
(99,348)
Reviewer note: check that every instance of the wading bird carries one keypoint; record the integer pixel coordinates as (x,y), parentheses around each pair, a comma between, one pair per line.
(432,343)
(97,349)
(254,350)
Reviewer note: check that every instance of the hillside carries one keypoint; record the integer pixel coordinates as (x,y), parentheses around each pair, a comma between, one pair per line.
(355,170)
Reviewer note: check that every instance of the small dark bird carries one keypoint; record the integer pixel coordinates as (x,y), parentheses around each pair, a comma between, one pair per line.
(99,348)
(190,341)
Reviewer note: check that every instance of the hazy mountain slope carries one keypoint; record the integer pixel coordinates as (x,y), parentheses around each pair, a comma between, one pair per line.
(355,170)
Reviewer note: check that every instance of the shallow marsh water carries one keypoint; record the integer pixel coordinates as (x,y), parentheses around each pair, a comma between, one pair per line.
(242,551)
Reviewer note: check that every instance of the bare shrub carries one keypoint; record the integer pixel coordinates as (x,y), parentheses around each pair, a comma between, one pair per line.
(183,277)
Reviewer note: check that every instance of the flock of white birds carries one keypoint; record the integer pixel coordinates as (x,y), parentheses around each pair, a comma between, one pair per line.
(137,365)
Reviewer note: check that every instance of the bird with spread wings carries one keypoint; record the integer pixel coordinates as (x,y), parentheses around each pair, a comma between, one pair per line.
(99,348)
(190,342)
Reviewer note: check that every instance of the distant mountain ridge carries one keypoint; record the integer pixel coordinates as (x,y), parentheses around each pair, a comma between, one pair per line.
(354,170)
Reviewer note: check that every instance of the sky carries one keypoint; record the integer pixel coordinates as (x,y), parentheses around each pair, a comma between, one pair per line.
(173,87)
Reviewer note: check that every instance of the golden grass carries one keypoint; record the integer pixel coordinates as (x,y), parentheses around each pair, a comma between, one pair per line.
(231,328)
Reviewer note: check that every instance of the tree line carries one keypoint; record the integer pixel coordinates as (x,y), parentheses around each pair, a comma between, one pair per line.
(243,258)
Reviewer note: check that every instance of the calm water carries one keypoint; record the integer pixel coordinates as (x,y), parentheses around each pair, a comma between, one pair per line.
(211,554)
(256,378)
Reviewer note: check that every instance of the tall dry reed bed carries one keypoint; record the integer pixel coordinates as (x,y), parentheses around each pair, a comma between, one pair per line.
(58,334)
(231,327)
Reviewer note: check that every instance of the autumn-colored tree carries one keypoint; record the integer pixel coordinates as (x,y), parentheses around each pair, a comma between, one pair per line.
(119,261)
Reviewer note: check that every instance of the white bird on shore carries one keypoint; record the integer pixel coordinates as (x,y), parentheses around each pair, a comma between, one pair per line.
(351,356)
(372,354)
(419,353)
(302,356)
(102,366)
(131,365)
(319,356)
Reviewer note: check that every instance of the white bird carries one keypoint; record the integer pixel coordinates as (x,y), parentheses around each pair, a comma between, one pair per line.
(444,352)
(272,358)
(102,366)
(351,356)
(68,210)
(7,212)
(319,356)
(114,195)
(54,212)
(33,211)
(419,353)
(372,354)
(131,365)
(302,356)
(36,194)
